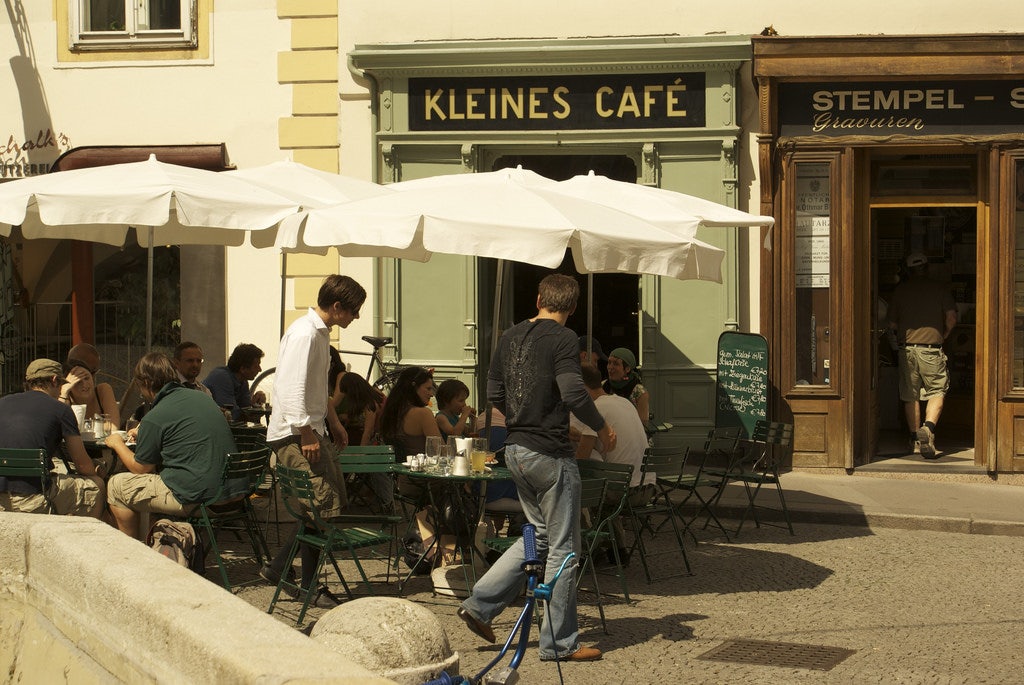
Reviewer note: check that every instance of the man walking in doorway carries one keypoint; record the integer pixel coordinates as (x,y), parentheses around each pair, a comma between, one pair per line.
(923,313)
(534,380)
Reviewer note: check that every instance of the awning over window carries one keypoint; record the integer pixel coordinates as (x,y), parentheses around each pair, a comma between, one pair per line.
(213,157)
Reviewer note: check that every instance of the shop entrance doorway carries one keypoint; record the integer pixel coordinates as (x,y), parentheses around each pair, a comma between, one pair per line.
(947,236)
(616,296)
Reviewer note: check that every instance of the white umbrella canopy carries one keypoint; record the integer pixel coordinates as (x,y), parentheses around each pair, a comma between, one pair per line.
(511,214)
(665,208)
(308,187)
(168,204)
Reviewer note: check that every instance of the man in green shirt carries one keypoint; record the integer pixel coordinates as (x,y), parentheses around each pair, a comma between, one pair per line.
(184,435)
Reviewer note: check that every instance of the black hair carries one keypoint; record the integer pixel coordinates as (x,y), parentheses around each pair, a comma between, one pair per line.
(402,398)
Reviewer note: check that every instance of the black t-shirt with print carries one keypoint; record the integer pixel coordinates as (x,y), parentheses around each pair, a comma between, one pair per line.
(523,384)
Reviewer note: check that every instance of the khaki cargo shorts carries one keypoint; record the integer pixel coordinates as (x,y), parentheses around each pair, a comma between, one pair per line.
(69,495)
(328,481)
(25,504)
(144,492)
(923,373)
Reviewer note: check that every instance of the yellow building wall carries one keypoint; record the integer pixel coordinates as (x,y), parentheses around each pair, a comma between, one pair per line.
(311,131)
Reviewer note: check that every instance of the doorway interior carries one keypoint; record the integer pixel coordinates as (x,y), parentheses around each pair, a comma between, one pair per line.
(947,235)
(616,312)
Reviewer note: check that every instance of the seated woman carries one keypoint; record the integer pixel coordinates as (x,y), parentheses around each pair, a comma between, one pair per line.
(358,406)
(455,416)
(407,420)
(98,399)
(623,380)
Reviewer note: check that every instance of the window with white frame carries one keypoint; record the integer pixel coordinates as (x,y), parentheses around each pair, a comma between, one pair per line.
(132,24)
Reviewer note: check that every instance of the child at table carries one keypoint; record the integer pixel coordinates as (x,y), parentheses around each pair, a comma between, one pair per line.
(455,416)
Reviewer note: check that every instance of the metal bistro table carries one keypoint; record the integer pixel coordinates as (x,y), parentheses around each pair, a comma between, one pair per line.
(465,501)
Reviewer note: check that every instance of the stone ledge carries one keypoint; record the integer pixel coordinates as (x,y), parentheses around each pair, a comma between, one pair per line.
(94,601)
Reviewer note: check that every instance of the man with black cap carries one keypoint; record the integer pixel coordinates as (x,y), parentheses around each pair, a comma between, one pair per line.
(36,419)
(924,314)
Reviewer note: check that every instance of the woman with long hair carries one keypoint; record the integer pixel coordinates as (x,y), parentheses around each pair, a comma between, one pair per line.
(358,407)
(407,420)
(86,392)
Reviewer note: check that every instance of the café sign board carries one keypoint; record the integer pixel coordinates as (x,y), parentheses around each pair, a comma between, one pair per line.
(914,108)
(543,103)
(741,396)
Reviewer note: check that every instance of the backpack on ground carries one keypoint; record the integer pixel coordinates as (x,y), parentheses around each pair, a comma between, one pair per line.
(178,542)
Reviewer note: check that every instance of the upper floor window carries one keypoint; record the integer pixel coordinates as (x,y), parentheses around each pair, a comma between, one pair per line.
(132,24)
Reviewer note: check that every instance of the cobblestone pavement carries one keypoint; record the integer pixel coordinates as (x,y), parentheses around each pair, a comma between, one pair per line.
(913,606)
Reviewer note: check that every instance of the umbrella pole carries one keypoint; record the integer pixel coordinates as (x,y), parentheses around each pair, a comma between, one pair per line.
(149,293)
(284,288)
(495,322)
(590,314)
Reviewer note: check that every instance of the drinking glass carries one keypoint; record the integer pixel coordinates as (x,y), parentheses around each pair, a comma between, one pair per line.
(444,460)
(478,455)
(453,447)
(433,448)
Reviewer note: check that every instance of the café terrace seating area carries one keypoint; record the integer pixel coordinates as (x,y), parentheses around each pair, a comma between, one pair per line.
(438,536)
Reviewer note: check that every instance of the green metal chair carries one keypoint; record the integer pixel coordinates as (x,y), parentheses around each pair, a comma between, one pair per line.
(326,536)
(592,501)
(662,469)
(250,438)
(361,461)
(231,508)
(759,466)
(696,485)
(617,478)
(27,463)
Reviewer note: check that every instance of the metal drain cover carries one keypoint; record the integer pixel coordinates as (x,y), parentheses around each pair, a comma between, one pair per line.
(785,654)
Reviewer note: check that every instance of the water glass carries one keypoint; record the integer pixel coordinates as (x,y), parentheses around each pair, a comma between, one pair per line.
(444,460)
(433,448)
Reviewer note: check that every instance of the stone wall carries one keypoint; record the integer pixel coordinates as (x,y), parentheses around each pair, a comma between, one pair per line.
(81,602)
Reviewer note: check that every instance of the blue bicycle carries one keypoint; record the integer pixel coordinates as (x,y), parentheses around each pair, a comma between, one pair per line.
(534,591)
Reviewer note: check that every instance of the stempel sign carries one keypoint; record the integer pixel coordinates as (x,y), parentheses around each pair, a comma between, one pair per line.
(557,102)
(884,107)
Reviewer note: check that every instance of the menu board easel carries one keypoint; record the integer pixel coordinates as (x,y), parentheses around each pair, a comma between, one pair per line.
(741,398)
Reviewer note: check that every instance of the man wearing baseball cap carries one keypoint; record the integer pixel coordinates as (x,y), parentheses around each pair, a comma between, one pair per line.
(923,313)
(36,419)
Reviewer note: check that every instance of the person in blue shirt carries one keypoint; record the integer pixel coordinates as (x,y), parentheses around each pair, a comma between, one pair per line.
(229,384)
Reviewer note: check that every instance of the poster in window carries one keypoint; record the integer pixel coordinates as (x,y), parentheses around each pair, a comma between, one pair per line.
(813,226)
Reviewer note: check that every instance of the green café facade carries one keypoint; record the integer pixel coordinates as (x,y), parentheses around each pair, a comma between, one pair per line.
(658,111)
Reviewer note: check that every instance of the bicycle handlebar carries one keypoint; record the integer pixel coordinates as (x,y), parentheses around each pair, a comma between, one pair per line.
(529,545)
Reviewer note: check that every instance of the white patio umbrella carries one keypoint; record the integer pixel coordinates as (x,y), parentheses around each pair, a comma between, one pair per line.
(309,188)
(165,203)
(677,212)
(511,214)
(665,208)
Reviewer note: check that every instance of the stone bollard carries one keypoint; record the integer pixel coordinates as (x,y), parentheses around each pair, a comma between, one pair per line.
(391,637)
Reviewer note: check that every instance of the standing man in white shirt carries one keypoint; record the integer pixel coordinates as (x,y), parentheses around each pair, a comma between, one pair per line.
(300,407)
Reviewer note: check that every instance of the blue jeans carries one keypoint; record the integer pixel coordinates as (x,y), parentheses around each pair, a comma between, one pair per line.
(549,490)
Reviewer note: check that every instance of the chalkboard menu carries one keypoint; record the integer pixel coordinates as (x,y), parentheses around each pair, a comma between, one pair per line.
(742,390)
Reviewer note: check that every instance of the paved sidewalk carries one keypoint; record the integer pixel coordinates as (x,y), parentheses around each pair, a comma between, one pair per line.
(911,580)
(894,500)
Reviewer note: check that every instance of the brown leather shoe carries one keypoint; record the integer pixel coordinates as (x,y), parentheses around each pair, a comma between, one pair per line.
(477,626)
(582,654)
